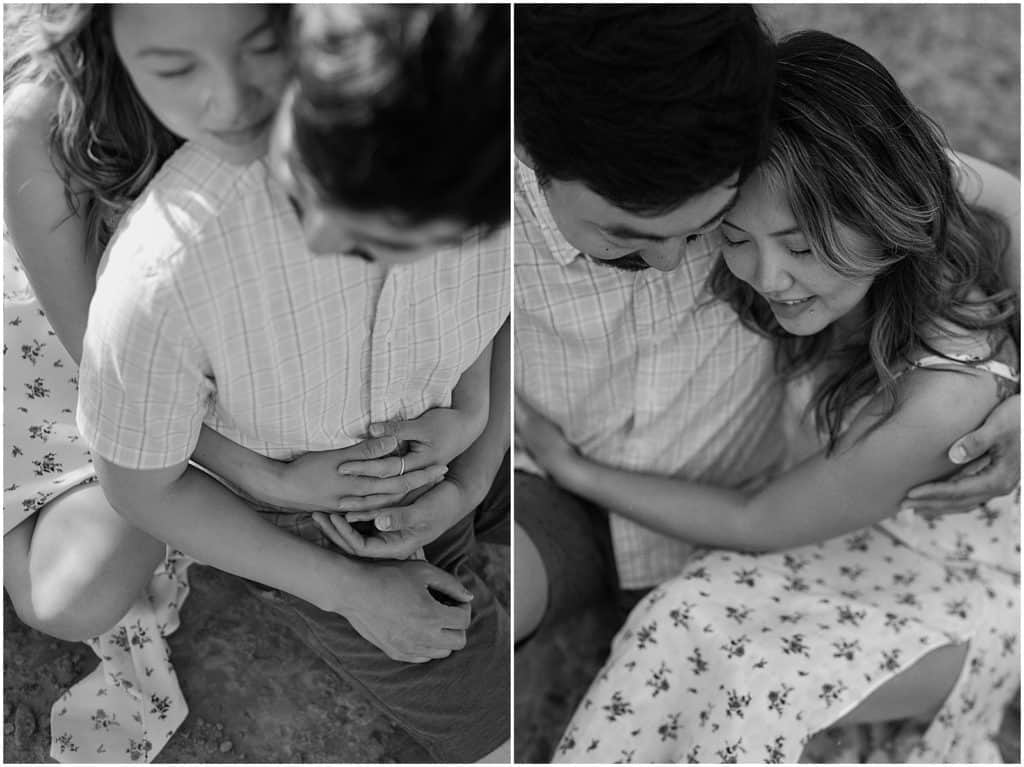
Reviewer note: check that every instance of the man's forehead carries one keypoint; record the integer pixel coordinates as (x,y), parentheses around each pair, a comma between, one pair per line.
(696,213)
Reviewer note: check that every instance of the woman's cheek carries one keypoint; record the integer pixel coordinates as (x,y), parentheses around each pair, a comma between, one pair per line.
(740,263)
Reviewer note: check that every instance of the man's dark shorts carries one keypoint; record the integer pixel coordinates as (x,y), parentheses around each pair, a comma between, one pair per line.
(574,543)
(456,707)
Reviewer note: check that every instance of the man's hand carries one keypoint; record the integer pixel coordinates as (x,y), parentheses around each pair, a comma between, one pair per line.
(400,531)
(399,614)
(323,480)
(990,456)
(435,438)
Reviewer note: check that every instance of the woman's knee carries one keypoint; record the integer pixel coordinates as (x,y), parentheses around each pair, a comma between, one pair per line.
(49,613)
(82,569)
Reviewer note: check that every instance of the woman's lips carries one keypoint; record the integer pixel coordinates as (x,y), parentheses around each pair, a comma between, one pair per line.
(244,135)
(790,308)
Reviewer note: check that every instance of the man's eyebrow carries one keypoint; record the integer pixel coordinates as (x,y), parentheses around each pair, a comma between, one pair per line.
(628,232)
(156,50)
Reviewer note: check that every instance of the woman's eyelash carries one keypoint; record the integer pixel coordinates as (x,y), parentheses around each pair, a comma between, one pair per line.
(175,73)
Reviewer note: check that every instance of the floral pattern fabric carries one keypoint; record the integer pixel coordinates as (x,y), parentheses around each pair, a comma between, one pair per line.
(743,657)
(131,704)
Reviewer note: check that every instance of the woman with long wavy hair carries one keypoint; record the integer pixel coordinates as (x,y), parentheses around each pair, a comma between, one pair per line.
(813,600)
(96,98)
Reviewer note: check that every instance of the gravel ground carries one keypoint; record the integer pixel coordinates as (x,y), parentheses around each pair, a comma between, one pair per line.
(255,693)
(961,64)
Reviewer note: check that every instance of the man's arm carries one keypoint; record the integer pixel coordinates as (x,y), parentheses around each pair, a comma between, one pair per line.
(989,455)
(388,603)
(991,187)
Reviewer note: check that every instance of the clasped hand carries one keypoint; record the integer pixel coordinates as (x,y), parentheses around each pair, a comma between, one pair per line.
(398,462)
(414,612)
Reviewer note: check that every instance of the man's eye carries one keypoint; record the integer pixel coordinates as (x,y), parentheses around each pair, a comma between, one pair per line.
(732,243)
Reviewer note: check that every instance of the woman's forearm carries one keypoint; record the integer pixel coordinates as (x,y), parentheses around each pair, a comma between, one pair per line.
(776,517)
(253,473)
(472,394)
(691,512)
(475,469)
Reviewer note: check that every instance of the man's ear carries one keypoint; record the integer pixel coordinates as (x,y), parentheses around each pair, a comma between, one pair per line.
(523,156)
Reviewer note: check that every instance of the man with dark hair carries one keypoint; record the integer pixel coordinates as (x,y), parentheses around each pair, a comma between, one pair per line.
(635,126)
(401,108)
(212,307)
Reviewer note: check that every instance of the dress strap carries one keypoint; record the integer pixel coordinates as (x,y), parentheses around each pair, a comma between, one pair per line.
(995,367)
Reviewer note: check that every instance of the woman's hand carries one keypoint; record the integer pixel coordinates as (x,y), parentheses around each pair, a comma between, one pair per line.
(315,481)
(546,442)
(434,439)
(398,532)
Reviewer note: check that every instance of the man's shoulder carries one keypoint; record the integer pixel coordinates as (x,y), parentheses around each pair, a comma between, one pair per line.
(195,199)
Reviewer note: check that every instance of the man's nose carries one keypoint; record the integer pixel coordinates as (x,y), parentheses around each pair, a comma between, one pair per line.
(665,256)
(321,237)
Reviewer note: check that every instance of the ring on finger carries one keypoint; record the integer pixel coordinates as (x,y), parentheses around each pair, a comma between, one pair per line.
(400,473)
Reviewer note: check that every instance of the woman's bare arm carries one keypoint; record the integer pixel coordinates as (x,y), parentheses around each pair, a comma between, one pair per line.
(862,483)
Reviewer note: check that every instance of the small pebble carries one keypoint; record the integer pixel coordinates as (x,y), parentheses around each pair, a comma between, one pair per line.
(226,746)
(219,726)
(8,728)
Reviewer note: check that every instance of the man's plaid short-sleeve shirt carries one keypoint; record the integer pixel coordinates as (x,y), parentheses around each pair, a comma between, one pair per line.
(641,369)
(209,308)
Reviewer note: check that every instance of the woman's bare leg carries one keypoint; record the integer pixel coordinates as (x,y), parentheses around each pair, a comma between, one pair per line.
(73,569)
(918,692)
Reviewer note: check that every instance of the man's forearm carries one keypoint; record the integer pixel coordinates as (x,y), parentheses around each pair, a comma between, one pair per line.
(475,469)
(999,191)
(196,514)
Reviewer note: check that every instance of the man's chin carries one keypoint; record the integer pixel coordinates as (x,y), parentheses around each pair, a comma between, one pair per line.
(625,264)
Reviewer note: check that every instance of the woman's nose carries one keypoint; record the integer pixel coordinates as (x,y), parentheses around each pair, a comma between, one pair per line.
(231,97)
(773,277)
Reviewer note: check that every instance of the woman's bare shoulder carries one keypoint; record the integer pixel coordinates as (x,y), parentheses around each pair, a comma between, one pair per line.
(28,108)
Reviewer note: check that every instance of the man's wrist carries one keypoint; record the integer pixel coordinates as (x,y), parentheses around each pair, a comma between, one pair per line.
(339,581)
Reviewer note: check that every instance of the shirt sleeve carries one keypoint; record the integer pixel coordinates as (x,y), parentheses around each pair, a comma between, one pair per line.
(145,383)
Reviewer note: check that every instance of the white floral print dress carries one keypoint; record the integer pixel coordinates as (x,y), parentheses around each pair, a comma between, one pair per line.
(743,657)
(130,705)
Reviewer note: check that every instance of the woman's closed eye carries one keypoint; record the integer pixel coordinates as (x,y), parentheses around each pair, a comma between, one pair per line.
(176,72)
(266,42)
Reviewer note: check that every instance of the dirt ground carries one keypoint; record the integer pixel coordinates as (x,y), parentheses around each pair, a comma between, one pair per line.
(255,693)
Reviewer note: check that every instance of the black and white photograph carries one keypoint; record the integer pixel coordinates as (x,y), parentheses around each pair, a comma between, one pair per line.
(766,328)
(257,284)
